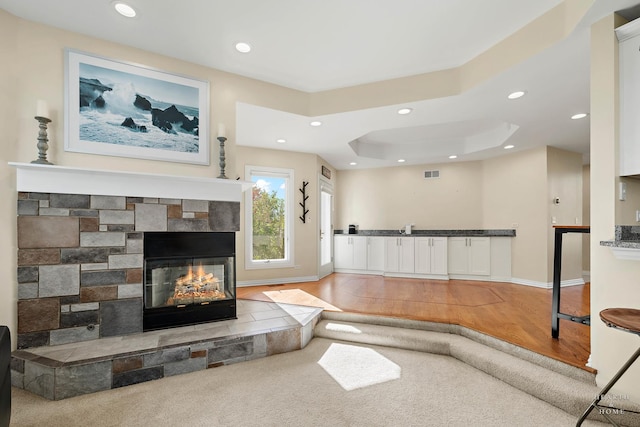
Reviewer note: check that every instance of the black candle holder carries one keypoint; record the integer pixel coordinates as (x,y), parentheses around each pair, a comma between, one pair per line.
(42,141)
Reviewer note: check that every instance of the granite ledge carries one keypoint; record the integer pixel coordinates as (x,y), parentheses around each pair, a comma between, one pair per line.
(434,233)
(626,236)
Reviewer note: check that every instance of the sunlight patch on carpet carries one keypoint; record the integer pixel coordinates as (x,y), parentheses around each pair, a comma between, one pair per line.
(299,297)
(340,327)
(357,367)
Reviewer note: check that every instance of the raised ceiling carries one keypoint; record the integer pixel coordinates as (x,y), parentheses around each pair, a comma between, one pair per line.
(319,47)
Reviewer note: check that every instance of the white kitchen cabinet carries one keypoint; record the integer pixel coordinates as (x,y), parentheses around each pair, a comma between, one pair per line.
(629,69)
(501,259)
(469,256)
(431,255)
(399,255)
(350,252)
(375,254)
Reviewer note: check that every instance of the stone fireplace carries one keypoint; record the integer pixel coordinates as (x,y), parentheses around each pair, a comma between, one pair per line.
(89,245)
(81,252)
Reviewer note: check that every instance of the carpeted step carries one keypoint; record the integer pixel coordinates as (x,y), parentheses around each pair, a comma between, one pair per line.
(569,393)
(503,346)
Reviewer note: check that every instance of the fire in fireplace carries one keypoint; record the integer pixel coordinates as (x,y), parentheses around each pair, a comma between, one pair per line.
(189,278)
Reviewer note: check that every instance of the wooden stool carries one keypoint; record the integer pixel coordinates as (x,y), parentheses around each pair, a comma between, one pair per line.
(628,320)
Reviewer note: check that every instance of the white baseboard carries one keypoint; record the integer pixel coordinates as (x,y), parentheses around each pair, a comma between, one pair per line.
(547,285)
(586,275)
(417,276)
(479,278)
(369,272)
(279,281)
(517,281)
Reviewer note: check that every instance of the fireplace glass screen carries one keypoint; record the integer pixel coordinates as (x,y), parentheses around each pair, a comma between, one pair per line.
(180,282)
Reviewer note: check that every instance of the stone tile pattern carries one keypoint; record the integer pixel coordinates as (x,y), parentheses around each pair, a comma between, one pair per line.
(56,380)
(80,260)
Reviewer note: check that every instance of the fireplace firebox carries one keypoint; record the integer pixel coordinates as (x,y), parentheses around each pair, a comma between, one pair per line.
(189,278)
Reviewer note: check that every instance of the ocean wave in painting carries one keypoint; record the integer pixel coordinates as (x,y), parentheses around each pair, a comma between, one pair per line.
(104,124)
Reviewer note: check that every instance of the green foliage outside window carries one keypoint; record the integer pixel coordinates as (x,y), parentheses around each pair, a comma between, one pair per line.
(268,225)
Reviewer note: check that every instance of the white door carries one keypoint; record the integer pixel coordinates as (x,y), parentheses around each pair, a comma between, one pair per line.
(326,229)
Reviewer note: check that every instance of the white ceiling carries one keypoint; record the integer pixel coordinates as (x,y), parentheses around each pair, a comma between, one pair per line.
(321,45)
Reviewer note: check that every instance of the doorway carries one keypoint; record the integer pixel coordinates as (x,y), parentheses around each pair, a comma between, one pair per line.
(326,229)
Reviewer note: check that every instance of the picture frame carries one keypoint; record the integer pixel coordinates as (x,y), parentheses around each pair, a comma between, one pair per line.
(326,172)
(115,108)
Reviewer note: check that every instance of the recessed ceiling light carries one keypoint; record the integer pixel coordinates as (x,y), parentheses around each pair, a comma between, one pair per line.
(243,47)
(316,123)
(516,95)
(579,116)
(352,163)
(401,160)
(281,141)
(508,147)
(124,9)
(404,111)
(453,156)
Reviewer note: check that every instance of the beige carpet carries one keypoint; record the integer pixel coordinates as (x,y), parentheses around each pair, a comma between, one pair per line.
(382,387)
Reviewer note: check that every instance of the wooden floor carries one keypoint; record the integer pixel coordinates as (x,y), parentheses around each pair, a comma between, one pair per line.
(517,314)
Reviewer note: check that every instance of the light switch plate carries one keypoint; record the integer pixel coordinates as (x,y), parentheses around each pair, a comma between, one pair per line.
(623,191)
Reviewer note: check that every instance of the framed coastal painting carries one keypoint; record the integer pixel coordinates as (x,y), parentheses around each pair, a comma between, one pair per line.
(115,108)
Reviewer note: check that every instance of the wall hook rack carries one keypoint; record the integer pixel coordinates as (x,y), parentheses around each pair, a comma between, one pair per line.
(305,211)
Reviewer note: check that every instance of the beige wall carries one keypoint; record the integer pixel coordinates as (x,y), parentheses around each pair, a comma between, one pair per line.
(40,67)
(389,198)
(8,120)
(614,283)
(306,168)
(564,175)
(586,217)
(626,209)
(516,197)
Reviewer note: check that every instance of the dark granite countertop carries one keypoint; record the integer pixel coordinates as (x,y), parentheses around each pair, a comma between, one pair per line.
(626,236)
(434,233)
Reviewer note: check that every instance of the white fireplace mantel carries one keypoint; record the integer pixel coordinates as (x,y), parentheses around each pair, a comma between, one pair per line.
(72,180)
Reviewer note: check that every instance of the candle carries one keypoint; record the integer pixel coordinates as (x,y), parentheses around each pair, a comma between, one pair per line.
(42,109)
(221,130)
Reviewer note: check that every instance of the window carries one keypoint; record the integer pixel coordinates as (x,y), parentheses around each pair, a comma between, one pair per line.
(269,218)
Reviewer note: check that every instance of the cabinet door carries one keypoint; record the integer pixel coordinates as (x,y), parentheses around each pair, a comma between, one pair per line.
(458,259)
(359,244)
(391,250)
(629,66)
(480,256)
(423,255)
(431,255)
(375,253)
(342,252)
(406,260)
(438,255)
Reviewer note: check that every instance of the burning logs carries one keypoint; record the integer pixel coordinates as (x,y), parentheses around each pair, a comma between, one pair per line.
(196,288)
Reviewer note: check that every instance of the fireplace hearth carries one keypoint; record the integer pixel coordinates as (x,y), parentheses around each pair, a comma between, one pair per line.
(189,278)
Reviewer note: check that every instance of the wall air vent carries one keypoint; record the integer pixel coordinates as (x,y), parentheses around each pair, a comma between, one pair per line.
(431,174)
